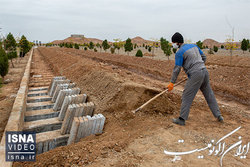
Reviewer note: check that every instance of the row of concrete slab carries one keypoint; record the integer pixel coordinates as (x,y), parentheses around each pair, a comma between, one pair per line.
(60,115)
(85,126)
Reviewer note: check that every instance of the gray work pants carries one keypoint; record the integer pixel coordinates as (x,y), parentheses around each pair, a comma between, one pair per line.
(198,80)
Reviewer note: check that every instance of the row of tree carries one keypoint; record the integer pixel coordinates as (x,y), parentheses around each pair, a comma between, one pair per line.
(245,45)
(8,51)
(129,46)
(118,44)
(201,46)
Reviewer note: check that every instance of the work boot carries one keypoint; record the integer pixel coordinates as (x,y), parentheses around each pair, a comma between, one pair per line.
(220,118)
(179,121)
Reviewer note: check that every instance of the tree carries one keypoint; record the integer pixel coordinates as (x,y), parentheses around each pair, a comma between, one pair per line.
(215,49)
(139,53)
(10,47)
(244,45)
(154,44)
(248,44)
(70,45)
(91,45)
(116,40)
(11,55)
(98,45)
(66,45)
(199,44)
(48,44)
(157,44)
(222,46)
(105,45)
(135,45)
(24,46)
(128,46)
(112,49)
(10,43)
(230,45)
(174,50)
(76,46)
(4,65)
(85,48)
(165,47)
(118,44)
(149,48)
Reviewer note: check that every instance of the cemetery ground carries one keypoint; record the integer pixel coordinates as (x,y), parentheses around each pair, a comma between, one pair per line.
(118,84)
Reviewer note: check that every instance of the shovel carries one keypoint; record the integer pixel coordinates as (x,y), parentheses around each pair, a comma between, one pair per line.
(150,100)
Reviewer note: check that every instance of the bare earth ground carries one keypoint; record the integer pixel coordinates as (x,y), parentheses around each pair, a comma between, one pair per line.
(159,54)
(118,84)
(231,81)
(9,90)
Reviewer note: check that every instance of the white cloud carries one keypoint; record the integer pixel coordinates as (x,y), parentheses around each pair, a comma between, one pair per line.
(47,20)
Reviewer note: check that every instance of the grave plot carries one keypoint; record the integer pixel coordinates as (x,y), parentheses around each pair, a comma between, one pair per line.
(52,111)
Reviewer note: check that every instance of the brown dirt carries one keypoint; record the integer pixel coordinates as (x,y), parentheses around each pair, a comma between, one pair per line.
(9,90)
(148,55)
(228,81)
(228,61)
(120,85)
(211,43)
(140,41)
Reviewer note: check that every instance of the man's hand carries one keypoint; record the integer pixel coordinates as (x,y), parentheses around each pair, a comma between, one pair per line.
(170,86)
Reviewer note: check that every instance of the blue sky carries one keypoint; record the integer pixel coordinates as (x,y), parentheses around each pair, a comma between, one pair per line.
(48,20)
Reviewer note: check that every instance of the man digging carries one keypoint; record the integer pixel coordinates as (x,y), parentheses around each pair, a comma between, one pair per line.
(192,59)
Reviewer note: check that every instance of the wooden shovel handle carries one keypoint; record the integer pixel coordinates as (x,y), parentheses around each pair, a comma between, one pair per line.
(149,101)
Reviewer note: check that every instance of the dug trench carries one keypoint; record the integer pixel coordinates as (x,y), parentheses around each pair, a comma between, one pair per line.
(136,139)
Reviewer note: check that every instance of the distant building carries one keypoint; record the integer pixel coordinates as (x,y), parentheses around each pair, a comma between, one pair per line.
(77,36)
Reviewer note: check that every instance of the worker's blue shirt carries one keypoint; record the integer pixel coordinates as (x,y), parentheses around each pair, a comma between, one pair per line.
(190,57)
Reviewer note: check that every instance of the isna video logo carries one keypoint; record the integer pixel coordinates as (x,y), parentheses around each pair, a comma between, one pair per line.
(20,146)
